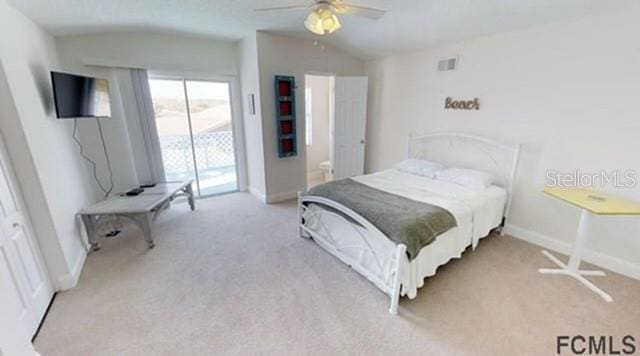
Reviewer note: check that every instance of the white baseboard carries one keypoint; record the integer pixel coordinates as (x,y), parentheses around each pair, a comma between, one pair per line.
(315,175)
(70,280)
(258,194)
(279,197)
(599,259)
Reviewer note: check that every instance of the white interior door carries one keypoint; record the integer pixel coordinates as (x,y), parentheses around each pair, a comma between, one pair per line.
(19,253)
(349,126)
(13,340)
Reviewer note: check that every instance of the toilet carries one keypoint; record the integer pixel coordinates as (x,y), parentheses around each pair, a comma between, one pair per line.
(325,167)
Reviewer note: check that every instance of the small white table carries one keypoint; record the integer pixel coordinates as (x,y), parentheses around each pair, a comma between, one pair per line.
(142,209)
(591,203)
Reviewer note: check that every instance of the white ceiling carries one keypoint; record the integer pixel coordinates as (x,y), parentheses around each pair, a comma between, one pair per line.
(408,24)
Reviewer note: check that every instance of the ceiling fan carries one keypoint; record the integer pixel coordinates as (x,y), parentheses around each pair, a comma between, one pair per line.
(323,19)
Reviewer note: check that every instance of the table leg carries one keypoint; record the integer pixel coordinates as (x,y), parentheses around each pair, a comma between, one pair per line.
(578,246)
(92,233)
(144,222)
(190,198)
(572,267)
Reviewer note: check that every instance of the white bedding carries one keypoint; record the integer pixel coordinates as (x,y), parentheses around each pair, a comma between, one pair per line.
(476,213)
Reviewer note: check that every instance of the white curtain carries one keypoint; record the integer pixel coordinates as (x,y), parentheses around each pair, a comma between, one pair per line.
(146,116)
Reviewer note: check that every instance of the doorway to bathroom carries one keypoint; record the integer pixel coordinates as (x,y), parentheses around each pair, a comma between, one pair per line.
(318,112)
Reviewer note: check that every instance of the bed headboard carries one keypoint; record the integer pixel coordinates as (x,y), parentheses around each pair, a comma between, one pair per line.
(455,149)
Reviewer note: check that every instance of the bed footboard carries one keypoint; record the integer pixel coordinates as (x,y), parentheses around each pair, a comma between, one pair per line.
(401,255)
(367,250)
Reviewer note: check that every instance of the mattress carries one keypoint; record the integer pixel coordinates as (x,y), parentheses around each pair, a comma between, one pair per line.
(476,214)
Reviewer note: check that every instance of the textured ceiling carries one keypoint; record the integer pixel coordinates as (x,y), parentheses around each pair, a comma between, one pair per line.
(408,24)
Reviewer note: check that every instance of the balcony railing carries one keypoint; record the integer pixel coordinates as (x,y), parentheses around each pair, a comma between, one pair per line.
(214,150)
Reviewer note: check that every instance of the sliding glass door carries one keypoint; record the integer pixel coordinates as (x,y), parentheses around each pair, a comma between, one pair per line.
(194,125)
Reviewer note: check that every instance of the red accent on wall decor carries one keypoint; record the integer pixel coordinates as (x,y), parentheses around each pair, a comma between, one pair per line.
(286,127)
(284,88)
(286,145)
(285,108)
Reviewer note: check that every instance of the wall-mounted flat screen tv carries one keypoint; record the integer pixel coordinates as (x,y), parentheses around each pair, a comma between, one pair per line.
(76,96)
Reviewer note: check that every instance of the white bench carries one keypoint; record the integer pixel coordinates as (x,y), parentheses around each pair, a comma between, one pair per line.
(142,209)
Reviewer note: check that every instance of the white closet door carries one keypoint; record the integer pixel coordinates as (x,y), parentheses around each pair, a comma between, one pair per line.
(349,126)
(13,340)
(19,253)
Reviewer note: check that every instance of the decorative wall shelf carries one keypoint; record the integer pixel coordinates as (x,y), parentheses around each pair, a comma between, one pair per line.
(286,116)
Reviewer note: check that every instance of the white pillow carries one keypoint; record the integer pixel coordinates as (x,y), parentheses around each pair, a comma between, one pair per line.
(419,167)
(469,178)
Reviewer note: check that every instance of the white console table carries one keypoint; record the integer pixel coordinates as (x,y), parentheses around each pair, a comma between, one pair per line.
(142,209)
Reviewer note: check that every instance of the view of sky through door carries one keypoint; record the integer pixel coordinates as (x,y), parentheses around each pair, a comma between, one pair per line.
(194,127)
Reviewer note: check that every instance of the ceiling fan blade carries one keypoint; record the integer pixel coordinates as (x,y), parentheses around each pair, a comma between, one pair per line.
(363,11)
(283,8)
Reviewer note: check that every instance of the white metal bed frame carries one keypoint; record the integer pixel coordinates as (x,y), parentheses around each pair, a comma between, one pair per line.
(505,171)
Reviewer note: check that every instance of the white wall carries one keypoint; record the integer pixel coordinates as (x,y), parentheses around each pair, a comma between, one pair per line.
(250,83)
(106,54)
(50,173)
(567,92)
(280,55)
(318,151)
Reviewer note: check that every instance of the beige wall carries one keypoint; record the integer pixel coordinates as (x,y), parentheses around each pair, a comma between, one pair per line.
(250,82)
(254,61)
(107,55)
(566,92)
(318,151)
(280,55)
(149,50)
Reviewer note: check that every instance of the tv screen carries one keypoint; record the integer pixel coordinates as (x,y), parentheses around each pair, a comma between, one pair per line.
(76,96)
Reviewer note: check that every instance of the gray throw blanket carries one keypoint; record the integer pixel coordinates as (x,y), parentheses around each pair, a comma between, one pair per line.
(402,220)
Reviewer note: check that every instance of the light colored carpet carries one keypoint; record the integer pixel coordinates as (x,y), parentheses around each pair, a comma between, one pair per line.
(234,278)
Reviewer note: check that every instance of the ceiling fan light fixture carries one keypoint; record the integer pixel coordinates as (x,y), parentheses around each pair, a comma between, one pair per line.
(322,21)
(313,23)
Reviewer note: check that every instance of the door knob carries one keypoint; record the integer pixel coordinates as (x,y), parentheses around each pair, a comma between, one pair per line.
(362,142)
(15,224)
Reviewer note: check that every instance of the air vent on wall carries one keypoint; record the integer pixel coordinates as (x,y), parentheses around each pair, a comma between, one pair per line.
(448,64)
